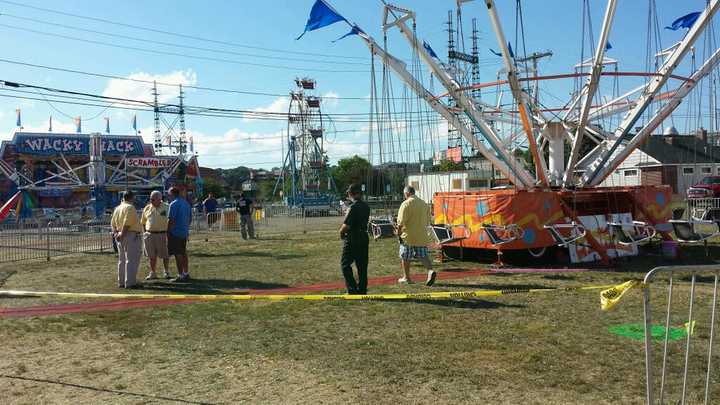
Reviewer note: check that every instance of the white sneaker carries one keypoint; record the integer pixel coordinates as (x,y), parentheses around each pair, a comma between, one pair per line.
(432,275)
(403,280)
(167,275)
(151,276)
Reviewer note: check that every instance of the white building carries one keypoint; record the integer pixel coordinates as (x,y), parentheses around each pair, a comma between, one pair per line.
(675,160)
(427,184)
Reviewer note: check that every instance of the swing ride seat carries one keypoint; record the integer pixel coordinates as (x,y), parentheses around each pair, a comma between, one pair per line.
(577,232)
(381,228)
(686,233)
(502,234)
(634,233)
(446,233)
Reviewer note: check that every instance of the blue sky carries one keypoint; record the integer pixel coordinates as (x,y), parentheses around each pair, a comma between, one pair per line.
(272,24)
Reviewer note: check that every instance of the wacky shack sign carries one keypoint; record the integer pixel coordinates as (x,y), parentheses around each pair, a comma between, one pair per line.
(54,144)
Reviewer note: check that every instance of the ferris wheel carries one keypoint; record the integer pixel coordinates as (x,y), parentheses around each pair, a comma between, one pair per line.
(305,179)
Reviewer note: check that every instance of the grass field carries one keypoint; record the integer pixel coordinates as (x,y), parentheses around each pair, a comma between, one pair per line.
(531,349)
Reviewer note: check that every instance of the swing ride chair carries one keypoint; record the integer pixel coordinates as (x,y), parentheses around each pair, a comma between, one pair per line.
(381,228)
(575,233)
(495,128)
(686,232)
(502,234)
(446,233)
(635,233)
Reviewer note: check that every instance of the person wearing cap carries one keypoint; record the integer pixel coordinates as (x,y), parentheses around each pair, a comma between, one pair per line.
(179,219)
(353,232)
(244,208)
(126,231)
(413,222)
(154,221)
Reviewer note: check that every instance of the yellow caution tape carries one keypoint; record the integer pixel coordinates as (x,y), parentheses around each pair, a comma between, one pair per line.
(610,297)
(307,297)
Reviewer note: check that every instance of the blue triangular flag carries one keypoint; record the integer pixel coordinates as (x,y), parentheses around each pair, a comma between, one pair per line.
(608,46)
(495,53)
(685,21)
(430,50)
(135,122)
(512,54)
(321,15)
(354,31)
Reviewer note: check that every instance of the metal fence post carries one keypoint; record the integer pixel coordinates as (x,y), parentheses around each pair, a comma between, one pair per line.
(47,240)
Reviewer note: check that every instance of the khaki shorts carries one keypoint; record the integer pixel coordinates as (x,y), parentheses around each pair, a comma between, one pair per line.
(156,245)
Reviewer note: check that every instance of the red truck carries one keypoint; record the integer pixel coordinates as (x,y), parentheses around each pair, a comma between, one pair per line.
(708,187)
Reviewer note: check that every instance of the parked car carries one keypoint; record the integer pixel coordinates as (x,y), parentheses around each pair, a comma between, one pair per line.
(708,187)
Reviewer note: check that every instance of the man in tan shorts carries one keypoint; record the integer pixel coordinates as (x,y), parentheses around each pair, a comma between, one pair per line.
(154,221)
(126,231)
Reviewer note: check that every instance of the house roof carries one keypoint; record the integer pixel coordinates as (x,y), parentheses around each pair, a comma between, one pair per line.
(679,149)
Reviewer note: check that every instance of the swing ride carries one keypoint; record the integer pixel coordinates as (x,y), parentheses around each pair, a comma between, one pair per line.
(558,160)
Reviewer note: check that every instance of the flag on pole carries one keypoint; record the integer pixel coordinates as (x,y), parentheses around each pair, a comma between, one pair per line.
(321,15)
(78,125)
(512,54)
(134,123)
(18,122)
(429,50)
(50,125)
(107,125)
(608,46)
(685,21)
(353,31)
(192,145)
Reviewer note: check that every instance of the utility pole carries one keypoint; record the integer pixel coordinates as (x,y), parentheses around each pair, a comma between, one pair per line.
(156,109)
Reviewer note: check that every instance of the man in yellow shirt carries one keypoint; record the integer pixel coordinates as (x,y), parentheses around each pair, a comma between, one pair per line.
(126,230)
(154,221)
(413,222)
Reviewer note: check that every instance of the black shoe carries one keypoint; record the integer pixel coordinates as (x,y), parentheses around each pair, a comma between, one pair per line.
(432,275)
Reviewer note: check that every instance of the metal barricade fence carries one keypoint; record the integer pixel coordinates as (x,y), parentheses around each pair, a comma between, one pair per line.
(39,239)
(269,220)
(672,273)
(701,208)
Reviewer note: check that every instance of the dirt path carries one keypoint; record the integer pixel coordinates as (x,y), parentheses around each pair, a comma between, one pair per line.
(124,304)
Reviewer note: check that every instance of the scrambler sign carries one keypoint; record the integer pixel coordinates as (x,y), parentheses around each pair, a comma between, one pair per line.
(151,162)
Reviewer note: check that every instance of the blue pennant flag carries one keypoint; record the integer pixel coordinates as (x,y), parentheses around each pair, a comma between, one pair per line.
(135,122)
(608,46)
(430,50)
(107,125)
(321,15)
(685,21)
(512,54)
(50,125)
(354,31)
(18,122)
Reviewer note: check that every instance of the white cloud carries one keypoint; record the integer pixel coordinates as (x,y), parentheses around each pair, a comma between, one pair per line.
(330,99)
(279,106)
(136,90)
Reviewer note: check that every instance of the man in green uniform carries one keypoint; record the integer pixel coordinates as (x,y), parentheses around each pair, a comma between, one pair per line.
(355,238)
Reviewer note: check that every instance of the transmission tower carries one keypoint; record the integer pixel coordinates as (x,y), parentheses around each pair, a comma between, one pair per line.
(166,137)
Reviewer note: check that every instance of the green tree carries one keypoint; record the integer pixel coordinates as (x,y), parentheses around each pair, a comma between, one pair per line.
(350,170)
(212,186)
(449,166)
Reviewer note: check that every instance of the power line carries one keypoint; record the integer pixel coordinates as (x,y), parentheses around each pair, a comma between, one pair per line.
(201,88)
(182,46)
(168,53)
(176,34)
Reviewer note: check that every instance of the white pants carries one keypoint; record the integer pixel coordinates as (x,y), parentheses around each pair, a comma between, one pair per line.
(129,251)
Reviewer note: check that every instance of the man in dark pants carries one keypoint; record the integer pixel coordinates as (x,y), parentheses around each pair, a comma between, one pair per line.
(353,232)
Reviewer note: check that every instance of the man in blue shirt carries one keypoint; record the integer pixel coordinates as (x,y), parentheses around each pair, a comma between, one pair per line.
(210,206)
(179,219)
